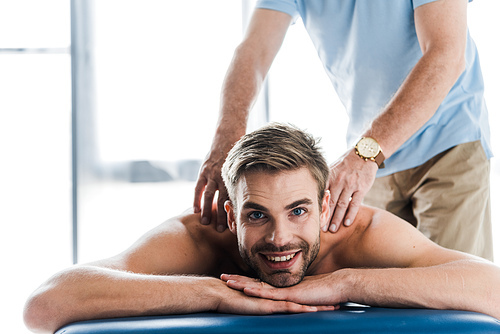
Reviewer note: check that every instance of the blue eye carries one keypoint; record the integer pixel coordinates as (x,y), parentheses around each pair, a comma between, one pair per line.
(297,211)
(256,215)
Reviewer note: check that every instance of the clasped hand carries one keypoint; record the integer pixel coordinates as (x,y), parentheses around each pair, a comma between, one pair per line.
(318,291)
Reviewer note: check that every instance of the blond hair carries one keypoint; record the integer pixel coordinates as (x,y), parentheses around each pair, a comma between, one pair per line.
(273,148)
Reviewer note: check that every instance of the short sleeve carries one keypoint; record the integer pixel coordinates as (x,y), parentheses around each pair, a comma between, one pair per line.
(418,3)
(286,6)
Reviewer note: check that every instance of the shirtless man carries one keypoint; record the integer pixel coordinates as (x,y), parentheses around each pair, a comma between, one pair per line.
(270,259)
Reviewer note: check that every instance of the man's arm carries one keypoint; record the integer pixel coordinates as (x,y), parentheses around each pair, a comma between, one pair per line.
(247,71)
(150,278)
(389,263)
(441,29)
(415,272)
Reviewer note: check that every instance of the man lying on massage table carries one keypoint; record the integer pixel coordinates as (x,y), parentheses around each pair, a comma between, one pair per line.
(270,259)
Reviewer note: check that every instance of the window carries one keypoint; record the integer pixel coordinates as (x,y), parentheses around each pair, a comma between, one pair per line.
(35,149)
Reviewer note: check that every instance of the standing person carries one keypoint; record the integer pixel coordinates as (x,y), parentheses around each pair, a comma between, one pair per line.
(408,74)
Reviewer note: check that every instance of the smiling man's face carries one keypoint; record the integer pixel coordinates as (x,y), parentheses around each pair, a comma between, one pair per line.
(277,219)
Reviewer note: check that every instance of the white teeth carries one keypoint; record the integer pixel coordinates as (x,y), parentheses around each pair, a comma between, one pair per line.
(281,258)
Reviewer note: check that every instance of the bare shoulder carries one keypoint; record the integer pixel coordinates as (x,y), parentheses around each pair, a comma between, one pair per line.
(180,245)
(380,239)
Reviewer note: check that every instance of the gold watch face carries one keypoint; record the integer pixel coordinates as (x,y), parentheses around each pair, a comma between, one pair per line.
(368,147)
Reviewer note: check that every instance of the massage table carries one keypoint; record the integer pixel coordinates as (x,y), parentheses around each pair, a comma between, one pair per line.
(349,319)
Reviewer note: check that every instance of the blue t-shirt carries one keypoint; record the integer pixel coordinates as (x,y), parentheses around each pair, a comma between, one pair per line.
(368,47)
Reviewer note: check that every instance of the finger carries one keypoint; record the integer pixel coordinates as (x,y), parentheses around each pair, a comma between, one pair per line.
(250,305)
(328,307)
(272,293)
(290,307)
(236,285)
(340,210)
(209,194)
(239,278)
(198,193)
(226,277)
(221,213)
(335,193)
(283,307)
(241,285)
(354,206)
(272,306)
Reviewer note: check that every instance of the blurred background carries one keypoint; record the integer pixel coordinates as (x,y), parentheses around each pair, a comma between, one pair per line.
(107,109)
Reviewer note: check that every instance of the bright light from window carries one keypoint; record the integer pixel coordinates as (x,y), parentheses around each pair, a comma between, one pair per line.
(159,70)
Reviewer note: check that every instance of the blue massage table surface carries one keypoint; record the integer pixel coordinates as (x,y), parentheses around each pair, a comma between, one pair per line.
(349,319)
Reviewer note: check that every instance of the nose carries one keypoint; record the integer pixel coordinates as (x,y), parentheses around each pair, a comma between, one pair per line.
(280,233)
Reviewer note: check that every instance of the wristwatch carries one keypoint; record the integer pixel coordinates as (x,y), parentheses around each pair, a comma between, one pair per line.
(368,148)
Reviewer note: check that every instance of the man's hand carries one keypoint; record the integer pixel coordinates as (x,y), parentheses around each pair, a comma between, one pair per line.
(209,183)
(350,179)
(234,301)
(323,291)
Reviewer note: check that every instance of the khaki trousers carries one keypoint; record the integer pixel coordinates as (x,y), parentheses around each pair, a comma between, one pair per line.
(447,199)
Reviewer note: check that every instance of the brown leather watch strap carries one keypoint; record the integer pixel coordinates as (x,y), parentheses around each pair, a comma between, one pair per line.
(379,159)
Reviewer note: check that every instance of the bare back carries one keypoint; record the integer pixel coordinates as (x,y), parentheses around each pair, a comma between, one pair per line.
(181,246)
(378,239)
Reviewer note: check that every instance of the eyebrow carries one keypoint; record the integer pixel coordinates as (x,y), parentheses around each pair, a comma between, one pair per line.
(255,206)
(304,201)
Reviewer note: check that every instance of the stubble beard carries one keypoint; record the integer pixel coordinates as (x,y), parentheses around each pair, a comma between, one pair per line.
(281,278)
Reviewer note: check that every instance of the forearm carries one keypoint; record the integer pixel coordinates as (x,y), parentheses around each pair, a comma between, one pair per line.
(412,106)
(92,292)
(416,100)
(249,67)
(240,90)
(461,285)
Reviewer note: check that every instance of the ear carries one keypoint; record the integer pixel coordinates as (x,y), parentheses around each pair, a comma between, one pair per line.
(231,221)
(325,209)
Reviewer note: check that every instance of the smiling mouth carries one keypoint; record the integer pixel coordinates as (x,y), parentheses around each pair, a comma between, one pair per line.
(275,263)
(280,258)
